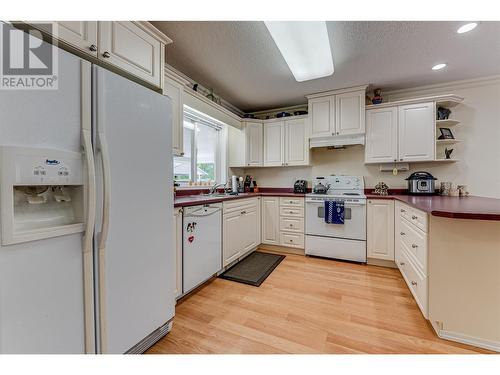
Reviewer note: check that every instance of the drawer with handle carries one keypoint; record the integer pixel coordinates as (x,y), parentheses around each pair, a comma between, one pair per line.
(415,242)
(292,239)
(239,205)
(419,219)
(416,281)
(292,224)
(414,216)
(292,211)
(293,202)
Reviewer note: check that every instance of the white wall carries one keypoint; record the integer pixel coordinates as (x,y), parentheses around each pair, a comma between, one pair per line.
(479,154)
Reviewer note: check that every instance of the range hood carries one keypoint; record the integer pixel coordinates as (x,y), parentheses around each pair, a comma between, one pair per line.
(337,141)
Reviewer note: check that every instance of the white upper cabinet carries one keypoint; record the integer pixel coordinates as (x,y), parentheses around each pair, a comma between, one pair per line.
(130,47)
(402,133)
(274,145)
(135,47)
(79,34)
(285,143)
(174,89)
(339,112)
(381,135)
(416,128)
(253,143)
(236,140)
(322,116)
(350,113)
(296,142)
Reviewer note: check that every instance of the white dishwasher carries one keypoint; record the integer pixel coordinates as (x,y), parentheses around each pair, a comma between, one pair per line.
(201,244)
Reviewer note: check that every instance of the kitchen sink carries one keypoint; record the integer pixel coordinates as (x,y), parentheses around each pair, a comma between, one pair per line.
(217,195)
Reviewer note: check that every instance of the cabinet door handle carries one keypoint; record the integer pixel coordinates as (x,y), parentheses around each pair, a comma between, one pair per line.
(243,212)
(106,54)
(401,159)
(402,233)
(290,212)
(93,47)
(413,283)
(291,225)
(414,246)
(403,210)
(401,263)
(414,217)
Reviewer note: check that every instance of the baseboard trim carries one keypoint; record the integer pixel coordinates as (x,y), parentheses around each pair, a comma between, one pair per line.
(469,340)
(281,249)
(381,262)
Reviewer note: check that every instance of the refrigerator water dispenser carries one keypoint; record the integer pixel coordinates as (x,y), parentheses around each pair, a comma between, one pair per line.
(42,193)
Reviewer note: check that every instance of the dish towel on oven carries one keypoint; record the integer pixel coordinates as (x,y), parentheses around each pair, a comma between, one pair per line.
(334,212)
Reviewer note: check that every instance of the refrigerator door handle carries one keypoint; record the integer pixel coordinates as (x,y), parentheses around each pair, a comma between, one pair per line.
(103,147)
(90,168)
(88,236)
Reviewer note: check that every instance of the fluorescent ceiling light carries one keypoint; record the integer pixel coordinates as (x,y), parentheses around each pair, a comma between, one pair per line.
(305,47)
(467,27)
(438,66)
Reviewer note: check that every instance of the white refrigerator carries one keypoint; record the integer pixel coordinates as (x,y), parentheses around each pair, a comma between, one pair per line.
(86,250)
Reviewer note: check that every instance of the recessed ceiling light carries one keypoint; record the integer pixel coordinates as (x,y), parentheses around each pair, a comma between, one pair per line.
(305,46)
(467,27)
(438,66)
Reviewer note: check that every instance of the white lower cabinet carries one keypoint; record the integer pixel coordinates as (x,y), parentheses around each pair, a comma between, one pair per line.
(380,229)
(270,220)
(283,221)
(177,237)
(241,228)
(291,212)
(411,251)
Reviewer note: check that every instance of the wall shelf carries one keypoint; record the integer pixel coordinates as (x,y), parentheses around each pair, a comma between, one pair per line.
(448,141)
(449,102)
(446,123)
(444,161)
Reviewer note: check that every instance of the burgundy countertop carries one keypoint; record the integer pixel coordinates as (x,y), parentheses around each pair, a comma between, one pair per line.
(183,200)
(474,208)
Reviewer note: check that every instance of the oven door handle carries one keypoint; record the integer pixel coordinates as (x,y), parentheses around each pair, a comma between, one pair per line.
(345,203)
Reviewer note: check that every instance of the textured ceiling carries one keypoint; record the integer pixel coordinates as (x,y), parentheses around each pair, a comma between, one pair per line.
(244,66)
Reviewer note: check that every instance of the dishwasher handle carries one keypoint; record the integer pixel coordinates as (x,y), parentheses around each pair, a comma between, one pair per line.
(203,211)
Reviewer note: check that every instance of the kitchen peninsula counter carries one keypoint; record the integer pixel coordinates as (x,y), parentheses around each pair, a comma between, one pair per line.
(471,207)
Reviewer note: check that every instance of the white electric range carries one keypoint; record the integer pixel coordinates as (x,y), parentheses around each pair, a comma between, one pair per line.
(339,241)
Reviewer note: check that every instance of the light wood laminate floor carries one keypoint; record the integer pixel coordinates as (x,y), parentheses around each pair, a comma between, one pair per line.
(307,305)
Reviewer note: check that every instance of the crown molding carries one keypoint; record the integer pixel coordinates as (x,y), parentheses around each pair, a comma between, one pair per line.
(188,83)
(153,31)
(339,91)
(446,86)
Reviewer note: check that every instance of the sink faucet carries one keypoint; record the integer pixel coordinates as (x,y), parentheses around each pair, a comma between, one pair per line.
(213,189)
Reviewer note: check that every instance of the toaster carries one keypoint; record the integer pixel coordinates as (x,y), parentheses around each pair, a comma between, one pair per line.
(300,186)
